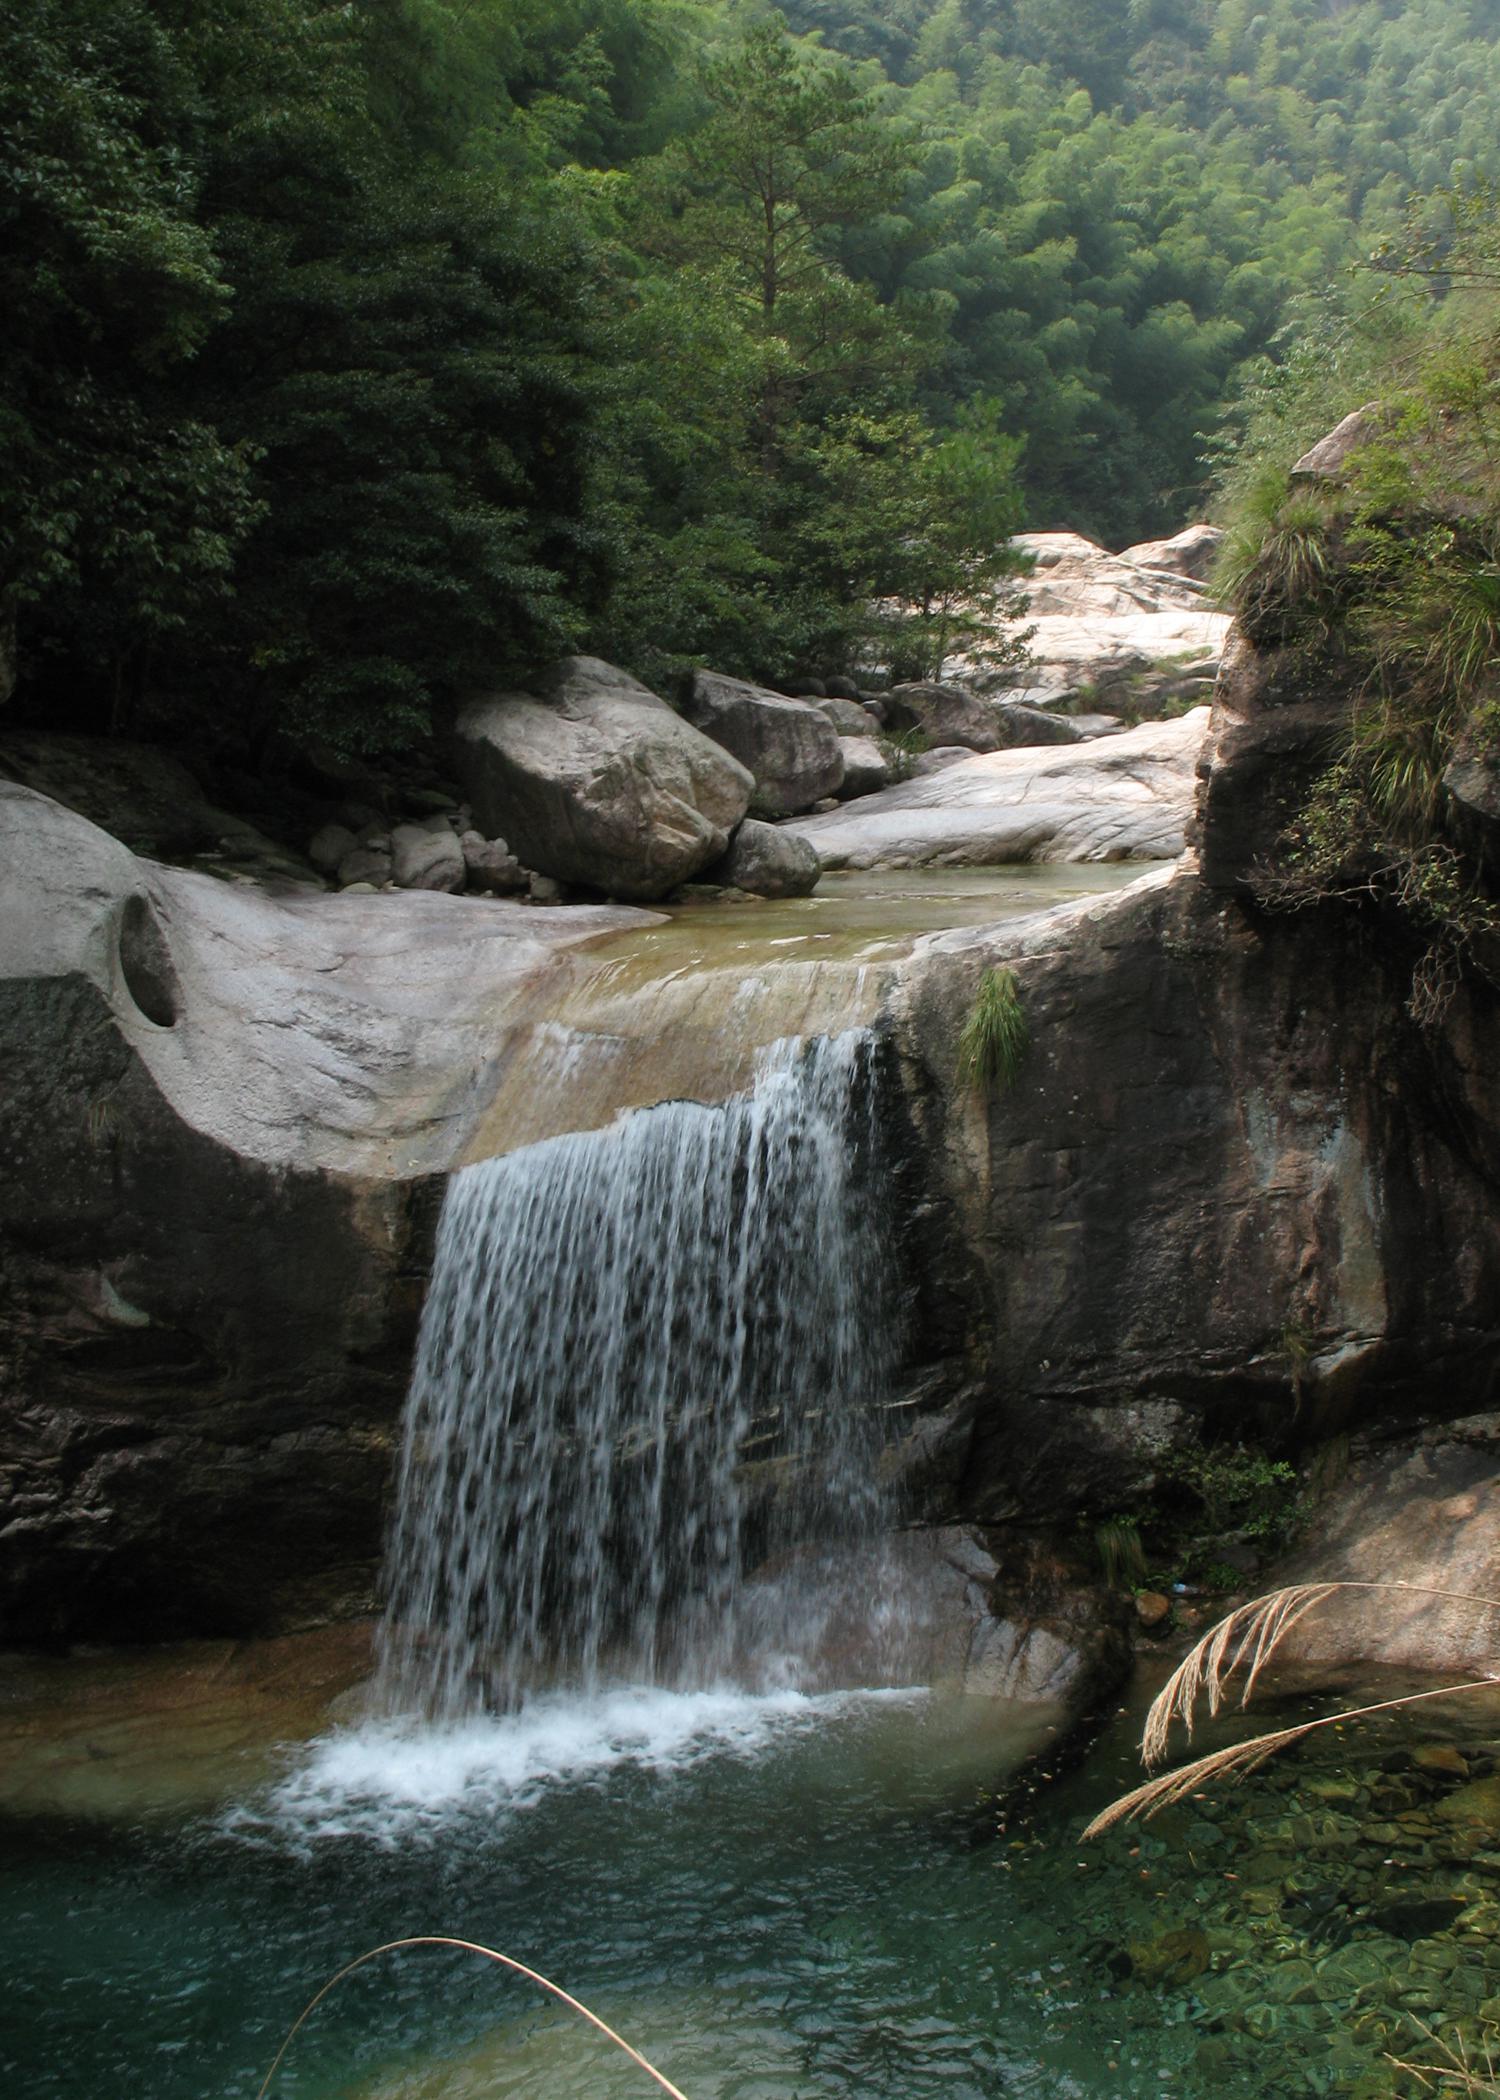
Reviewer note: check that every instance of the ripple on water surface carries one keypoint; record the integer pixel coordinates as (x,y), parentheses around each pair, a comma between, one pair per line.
(782,1898)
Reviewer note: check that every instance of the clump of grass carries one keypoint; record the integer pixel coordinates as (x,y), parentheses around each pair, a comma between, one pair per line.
(1276,567)
(902,749)
(1122,1557)
(996,1035)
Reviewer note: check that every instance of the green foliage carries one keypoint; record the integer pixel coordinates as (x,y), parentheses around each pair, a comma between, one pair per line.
(357,353)
(996,1036)
(114,503)
(1122,1557)
(1390,580)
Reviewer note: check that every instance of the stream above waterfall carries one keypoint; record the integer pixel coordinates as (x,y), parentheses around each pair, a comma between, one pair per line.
(682,1008)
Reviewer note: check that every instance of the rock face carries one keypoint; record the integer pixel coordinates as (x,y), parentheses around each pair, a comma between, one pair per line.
(1220,1139)
(1235,1192)
(768,862)
(790,747)
(594,780)
(1122,798)
(1427,1514)
(227,1114)
(1104,619)
(945,714)
(1275,711)
(1471,782)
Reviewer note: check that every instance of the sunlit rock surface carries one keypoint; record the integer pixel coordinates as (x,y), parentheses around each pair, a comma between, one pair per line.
(1124,797)
(1099,618)
(592,779)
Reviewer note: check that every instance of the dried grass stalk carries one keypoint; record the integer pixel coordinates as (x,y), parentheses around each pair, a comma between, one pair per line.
(1239,1759)
(503,1961)
(1454,2075)
(1245,1641)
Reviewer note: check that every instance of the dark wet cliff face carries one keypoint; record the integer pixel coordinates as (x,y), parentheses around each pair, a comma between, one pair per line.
(1235,1190)
(202,1356)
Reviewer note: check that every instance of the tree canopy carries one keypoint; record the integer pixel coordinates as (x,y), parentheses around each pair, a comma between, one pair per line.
(357,355)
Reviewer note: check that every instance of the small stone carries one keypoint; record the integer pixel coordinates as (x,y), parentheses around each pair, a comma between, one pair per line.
(542,889)
(426,860)
(1475,1806)
(333,844)
(368,866)
(1152,1608)
(1440,1757)
(1173,1957)
(490,865)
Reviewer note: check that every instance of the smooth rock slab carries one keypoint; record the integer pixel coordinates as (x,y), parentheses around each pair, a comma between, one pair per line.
(594,780)
(1124,797)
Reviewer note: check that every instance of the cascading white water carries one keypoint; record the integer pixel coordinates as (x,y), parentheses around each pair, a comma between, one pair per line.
(639,1342)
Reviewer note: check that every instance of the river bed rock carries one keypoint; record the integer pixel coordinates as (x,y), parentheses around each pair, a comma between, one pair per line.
(592,779)
(790,747)
(1102,619)
(1128,797)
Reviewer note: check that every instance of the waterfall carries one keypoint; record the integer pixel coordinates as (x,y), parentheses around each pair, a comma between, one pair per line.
(647,1351)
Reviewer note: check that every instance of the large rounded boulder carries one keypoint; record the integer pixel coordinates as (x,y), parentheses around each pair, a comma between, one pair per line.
(790,746)
(944,714)
(768,862)
(592,779)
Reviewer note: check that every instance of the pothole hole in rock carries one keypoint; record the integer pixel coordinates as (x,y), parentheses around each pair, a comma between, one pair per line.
(146,964)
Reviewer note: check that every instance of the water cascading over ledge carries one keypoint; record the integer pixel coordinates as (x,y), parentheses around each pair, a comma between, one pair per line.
(648,1353)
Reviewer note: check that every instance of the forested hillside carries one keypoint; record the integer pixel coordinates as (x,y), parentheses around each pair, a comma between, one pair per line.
(357,353)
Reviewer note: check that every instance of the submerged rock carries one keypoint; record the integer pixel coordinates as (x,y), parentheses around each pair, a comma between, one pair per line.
(594,780)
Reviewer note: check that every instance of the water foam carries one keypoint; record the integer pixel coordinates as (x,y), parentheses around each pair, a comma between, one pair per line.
(397,1781)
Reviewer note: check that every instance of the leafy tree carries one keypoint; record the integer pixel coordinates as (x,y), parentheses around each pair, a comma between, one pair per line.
(791,151)
(115,504)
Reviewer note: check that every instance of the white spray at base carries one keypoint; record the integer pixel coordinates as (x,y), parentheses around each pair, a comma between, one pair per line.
(640,1344)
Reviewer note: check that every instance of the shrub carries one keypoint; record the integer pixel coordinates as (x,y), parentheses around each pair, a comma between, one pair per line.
(996,1036)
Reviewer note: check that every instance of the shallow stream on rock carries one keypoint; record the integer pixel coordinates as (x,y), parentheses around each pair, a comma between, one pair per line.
(682,1009)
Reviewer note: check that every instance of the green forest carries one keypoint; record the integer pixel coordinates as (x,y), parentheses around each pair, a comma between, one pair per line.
(360,352)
